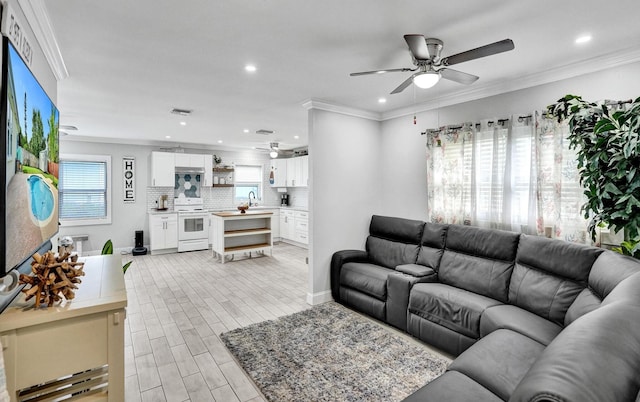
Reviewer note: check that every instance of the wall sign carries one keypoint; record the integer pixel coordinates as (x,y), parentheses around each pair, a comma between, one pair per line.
(128,179)
(16,31)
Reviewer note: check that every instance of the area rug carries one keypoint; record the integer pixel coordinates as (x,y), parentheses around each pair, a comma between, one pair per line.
(330,353)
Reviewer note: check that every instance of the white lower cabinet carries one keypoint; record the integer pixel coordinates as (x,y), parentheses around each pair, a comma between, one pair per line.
(287,225)
(301,234)
(163,236)
(294,226)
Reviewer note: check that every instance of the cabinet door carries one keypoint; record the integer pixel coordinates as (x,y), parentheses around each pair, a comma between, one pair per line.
(196,161)
(163,169)
(279,169)
(208,170)
(304,178)
(171,232)
(183,160)
(156,235)
(291,172)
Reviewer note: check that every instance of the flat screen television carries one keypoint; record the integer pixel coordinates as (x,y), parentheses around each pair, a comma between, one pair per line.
(29,193)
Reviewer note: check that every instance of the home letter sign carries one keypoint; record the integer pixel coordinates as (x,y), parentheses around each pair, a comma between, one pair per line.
(128,171)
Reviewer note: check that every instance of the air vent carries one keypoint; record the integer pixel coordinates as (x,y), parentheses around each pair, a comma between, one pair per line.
(262,131)
(181,112)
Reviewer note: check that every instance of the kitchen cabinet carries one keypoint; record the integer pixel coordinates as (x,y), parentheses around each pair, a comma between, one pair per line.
(279,170)
(304,176)
(190,160)
(163,235)
(287,224)
(235,232)
(297,171)
(162,169)
(301,227)
(208,170)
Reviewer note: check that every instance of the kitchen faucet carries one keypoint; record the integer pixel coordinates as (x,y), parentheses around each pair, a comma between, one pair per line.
(254,196)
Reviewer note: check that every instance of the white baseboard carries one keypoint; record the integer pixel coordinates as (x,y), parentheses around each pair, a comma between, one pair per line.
(319,298)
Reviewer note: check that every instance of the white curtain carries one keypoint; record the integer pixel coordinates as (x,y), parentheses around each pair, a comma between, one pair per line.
(513,174)
(559,195)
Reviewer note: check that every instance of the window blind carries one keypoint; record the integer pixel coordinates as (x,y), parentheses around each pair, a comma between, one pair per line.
(83,189)
(248,174)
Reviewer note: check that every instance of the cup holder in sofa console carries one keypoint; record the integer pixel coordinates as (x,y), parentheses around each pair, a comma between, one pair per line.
(529,318)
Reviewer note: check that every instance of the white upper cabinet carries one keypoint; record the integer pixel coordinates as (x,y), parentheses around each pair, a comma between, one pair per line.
(163,169)
(190,160)
(278,172)
(297,171)
(208,170)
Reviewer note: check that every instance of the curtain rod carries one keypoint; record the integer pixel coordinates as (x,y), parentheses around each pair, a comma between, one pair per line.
(458,127)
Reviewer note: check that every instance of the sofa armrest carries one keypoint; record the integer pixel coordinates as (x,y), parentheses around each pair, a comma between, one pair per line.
(399,286)
(340,258)
(426,274)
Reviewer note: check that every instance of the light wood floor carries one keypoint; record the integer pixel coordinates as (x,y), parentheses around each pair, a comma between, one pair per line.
(178,306)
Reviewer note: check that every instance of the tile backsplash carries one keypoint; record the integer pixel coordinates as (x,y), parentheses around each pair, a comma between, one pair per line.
(188,185)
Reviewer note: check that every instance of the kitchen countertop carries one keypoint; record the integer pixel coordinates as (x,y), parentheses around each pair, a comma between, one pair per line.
(230,209)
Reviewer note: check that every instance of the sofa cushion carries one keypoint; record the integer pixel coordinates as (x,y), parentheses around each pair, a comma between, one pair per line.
(499,361)
(432,245)
(595,359)
(393,241)
(549,274)
(453,308)
(367,278)
(518,320)
(479,260)
(453,386)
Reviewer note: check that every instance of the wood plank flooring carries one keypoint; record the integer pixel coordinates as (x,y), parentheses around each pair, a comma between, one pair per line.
(178,306)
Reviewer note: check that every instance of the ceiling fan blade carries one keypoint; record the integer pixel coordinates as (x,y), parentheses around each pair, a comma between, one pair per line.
(458,76)
(482,51)
(418,46)
(403,86)
(391,70)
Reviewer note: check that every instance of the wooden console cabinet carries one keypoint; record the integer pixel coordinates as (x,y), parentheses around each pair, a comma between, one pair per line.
(75,348)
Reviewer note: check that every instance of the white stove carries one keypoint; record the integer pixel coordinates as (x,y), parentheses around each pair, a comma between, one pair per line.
(193,224)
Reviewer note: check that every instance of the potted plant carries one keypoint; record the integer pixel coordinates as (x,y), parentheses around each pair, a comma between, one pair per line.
(607,141)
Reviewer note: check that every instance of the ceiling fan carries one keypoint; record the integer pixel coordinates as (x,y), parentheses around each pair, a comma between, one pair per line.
(275,150)
(425,53)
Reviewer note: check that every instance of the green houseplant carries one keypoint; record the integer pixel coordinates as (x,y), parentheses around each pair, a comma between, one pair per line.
(607,141)
(108,249)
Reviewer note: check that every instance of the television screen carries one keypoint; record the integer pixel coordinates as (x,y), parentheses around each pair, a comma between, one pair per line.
(30,125)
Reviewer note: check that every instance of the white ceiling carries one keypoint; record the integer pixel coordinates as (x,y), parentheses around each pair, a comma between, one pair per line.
(130,62)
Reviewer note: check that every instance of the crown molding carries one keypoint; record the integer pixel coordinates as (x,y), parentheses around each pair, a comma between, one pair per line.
(592,65)
(346,110)
(37,17)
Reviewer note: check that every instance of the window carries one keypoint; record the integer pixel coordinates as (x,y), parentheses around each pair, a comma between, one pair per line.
(248,178)
(84,189)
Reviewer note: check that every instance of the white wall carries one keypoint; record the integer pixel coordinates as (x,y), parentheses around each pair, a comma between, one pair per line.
(345,166)
(404,165)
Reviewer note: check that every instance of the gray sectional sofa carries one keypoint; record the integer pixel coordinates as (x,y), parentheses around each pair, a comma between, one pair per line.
(529,318)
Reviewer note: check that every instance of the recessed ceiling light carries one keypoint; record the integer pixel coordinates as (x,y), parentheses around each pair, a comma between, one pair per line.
(167,136)
(382,100)
(583,39)
(250,68)
(246,130)
(219,141)
(183,123)
(296,136)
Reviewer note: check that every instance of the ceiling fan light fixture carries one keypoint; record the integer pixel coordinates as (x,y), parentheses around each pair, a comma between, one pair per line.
(273,154)
(426,79)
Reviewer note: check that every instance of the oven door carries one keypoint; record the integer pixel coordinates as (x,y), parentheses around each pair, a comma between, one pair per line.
(193,226)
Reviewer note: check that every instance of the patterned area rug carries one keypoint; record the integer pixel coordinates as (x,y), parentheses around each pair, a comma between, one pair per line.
(330,353)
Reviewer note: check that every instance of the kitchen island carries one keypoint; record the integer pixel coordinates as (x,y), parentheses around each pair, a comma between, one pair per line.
(236,232)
